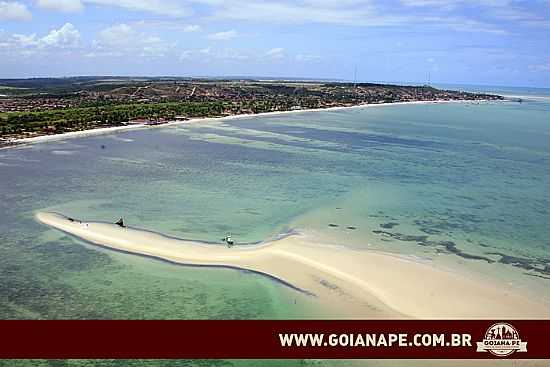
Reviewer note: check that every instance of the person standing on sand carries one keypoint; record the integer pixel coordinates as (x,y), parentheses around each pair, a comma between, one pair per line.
(228,240)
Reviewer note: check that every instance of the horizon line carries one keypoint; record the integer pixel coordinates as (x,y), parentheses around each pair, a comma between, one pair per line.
(275,78)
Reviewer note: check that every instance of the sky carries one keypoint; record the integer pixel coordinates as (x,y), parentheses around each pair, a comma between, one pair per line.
(490,42)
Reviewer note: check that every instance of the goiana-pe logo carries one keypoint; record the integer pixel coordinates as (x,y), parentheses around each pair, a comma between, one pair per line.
(501,340)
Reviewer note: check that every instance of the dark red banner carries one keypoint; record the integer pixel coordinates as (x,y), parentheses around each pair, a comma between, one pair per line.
(379,339)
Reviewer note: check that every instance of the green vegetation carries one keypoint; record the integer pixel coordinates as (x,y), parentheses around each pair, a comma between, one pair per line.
(33,107)
(84,118)
(7,87)
(72,119)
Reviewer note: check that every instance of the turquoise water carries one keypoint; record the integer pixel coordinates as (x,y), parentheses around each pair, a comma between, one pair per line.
(463,186)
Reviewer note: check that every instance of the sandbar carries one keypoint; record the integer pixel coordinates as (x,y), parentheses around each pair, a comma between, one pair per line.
(354,283)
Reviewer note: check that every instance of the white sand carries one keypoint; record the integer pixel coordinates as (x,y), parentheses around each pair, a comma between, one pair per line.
(110,130)
(352,283)
(78,134)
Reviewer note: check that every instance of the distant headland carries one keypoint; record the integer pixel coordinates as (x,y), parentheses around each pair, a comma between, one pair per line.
(38,107)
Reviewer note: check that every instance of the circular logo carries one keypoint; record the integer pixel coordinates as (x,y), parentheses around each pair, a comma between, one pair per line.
(501,340)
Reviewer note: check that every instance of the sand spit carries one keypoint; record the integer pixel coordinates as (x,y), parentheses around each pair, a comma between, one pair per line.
(355,284)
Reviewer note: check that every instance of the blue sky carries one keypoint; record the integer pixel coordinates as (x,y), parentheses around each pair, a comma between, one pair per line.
(499,42)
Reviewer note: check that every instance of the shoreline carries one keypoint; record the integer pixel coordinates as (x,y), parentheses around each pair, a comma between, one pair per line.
(351,283)
(113,129)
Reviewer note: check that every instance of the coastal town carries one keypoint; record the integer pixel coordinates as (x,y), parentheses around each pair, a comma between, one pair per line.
(38,107)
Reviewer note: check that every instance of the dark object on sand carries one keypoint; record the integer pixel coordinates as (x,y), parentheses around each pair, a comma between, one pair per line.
(333,225)
(70,219)
(227,239)
(120,222)
(352,227)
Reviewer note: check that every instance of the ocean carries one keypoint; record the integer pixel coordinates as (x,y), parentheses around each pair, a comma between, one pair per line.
(462,186)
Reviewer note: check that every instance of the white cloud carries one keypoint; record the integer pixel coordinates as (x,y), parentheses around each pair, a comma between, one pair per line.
(464,25)
(509,10)
(63,40)
(417,13)
(14,11)
(25,41)
(337,3)
(452,4)
(209,54)
(117,36)
(66,36)
(186,55)
(252,56)
(230,54)
(307,58)
(66,6)
(169,8)
(192,28)
(275,53)
(300,13)
(540,67)
(516,15)
(438,3)
(171,25)
(223,36)
(122,39)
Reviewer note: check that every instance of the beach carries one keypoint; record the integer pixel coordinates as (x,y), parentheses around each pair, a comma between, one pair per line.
(352,283)
(359,179)
(115,129)
(411,211)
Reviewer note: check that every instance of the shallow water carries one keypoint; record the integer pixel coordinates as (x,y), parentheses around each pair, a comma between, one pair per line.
(464,186)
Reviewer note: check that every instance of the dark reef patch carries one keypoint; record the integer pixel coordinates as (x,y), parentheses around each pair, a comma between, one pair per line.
(402,237)
(541,266)
(389,225)
(449,221)
(429,230)
(451,247)
(448,247)
(536,275)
